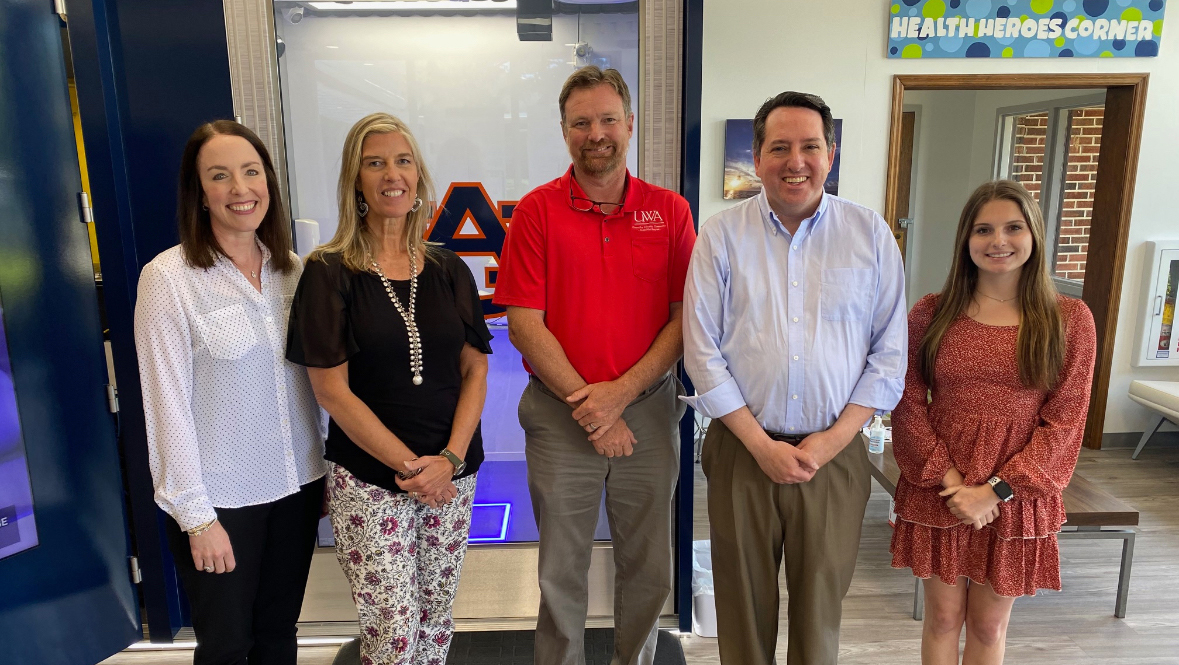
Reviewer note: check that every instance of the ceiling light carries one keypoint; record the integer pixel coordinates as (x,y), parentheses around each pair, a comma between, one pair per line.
(408,5)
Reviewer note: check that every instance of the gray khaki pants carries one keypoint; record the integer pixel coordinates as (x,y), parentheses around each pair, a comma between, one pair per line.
(565,479)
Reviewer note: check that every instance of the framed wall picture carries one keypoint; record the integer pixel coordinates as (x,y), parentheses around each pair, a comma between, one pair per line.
(740,177)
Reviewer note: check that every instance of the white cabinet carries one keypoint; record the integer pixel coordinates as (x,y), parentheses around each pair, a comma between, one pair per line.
(1157,337)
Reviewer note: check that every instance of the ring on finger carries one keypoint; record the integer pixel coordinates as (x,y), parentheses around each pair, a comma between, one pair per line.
(593,427)
(208,569)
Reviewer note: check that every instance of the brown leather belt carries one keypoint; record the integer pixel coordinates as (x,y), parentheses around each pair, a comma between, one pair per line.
(793,439)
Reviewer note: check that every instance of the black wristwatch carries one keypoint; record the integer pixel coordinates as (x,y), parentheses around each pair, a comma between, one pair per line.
(1001,489)
(459,464)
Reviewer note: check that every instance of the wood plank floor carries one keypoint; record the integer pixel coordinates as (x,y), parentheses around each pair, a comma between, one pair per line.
(1073,627)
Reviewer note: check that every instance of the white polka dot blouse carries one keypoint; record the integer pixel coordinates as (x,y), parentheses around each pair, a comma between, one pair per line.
(230,422)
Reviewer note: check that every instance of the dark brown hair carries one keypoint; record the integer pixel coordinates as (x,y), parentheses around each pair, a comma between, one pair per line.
(591,76)
(797,99)
(197,242)
(1039,347)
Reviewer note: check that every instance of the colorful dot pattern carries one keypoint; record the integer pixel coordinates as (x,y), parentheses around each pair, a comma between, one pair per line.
(933,28)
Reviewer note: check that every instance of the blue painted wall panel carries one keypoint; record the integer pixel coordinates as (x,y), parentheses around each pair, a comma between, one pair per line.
(70,599)
(148,72)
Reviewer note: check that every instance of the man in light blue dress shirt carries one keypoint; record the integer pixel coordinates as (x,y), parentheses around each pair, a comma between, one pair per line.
(794,335)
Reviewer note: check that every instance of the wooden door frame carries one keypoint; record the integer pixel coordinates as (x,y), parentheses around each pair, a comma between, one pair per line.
(1113,199)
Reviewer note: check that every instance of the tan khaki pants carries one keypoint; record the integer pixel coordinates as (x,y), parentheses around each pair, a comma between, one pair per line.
(565,479)
(754,522)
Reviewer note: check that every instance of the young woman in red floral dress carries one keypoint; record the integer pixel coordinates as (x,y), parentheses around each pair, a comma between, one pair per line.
(989,428)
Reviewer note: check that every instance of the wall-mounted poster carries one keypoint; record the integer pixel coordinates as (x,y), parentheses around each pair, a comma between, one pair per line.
(18,531)
(740,180)
(1025,28)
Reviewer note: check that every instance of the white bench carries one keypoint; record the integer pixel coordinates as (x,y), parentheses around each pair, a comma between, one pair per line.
(1160,396)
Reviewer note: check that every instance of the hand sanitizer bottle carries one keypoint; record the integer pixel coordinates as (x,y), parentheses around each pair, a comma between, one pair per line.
(876,436)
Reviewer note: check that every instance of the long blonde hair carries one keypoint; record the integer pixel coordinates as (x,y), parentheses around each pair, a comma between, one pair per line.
(1040,344)
(352,239)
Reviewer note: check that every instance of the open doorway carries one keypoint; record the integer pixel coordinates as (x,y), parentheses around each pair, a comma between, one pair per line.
(1071,139)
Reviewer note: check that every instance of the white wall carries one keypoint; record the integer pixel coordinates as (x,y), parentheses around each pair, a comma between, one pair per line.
(754,49)
(941,176)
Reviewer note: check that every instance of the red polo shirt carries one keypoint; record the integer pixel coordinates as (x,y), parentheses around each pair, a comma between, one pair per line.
(605,282)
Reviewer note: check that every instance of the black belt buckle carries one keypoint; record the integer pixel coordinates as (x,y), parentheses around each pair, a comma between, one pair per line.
(792,439)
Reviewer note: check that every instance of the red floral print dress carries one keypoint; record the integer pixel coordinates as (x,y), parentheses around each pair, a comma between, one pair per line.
(984,422)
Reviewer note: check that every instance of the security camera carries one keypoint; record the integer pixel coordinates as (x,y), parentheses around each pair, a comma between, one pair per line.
(296,14)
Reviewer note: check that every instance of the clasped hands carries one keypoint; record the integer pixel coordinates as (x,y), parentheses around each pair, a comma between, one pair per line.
(600,414)
(787,464)
(976,505)
(429,480)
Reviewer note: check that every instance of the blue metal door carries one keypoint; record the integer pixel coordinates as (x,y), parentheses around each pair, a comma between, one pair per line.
(65,590)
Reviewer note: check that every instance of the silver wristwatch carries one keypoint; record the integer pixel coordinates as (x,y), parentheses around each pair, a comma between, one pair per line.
(459,464)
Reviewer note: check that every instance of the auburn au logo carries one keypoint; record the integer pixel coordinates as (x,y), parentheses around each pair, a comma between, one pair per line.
(469,224)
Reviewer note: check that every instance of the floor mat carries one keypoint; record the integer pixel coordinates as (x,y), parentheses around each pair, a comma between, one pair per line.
(515,647)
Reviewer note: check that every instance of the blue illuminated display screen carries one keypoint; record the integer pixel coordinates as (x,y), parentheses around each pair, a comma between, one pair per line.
(18,530)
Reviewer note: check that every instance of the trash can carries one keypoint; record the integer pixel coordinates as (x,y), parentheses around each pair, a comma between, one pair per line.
(703,594)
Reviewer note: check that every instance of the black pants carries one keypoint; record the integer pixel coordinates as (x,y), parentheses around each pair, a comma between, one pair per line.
(250,613)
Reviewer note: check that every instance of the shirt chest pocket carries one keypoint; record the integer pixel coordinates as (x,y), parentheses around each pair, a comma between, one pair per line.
(845,293)
(649,258)
(228,332)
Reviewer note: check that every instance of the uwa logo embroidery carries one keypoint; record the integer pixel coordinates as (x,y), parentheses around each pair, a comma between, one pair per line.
(648,220)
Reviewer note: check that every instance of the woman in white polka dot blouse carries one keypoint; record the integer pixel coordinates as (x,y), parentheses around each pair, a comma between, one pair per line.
(234,435)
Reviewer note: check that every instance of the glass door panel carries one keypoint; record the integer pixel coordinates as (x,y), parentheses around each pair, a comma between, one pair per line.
(483,107)
(1162,340)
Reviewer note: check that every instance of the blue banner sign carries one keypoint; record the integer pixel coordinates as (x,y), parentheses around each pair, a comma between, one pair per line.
(1025,28)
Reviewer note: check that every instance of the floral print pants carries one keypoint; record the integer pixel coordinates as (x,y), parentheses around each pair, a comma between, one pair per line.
(402,559)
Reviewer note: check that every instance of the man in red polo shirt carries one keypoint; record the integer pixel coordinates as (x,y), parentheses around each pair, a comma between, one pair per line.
(592,275)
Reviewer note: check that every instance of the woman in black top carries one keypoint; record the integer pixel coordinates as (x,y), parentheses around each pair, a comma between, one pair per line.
(392,332)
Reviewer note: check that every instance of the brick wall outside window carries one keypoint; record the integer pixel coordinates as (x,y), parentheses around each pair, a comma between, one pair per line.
(1084,145)
(1027,159)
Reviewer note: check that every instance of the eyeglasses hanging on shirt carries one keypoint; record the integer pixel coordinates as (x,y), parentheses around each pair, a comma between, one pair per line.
(582,204)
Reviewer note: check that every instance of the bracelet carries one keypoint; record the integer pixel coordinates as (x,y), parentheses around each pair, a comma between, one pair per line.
(202,528)
(407,475)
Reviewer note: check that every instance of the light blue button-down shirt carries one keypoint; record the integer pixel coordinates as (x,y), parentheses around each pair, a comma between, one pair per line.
(795,326)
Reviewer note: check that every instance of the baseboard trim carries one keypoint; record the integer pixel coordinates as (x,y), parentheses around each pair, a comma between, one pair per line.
(1130,439)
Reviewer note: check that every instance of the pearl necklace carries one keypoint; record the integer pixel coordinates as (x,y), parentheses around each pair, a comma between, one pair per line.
(407,313)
